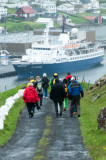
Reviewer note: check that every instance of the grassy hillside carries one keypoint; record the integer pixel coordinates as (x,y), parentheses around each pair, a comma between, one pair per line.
(12,117)
(94,139)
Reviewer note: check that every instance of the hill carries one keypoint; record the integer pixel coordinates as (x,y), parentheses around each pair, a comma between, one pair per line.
(93,101)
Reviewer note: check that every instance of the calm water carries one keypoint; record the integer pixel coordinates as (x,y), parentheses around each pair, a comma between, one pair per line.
(91,74)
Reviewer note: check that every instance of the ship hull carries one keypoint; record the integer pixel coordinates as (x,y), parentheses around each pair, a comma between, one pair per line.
(25,69)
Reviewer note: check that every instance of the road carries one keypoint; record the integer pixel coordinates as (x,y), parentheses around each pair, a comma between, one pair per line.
(66,142)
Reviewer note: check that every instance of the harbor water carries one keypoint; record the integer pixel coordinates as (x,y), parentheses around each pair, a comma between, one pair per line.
(90,75)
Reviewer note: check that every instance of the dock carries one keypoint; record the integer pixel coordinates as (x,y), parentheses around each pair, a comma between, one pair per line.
(7,70)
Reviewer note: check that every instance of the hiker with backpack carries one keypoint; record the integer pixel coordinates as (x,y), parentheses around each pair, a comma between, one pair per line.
(39,88)
(75,108)
(31,98)
(66,91)
(45,84)
(52,81)
(31,80)
(75,89)
(57,94)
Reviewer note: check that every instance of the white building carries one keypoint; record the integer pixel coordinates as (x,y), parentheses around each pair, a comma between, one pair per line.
(3,11)
(69,8)
(95,4)
(74,1)
(17,5)
(49,5)
(48,21)
(3,2)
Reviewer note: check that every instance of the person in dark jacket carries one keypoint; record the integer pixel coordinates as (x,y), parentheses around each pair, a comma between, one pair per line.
(57,94)
(52,81)
(45,84)
(30,97)
(75,89)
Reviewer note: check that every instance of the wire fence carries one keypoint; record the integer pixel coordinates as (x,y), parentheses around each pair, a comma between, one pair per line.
(10,83)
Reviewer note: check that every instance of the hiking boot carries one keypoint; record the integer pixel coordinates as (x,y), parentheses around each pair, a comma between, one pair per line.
(31,113)
(30,116)
(60,113)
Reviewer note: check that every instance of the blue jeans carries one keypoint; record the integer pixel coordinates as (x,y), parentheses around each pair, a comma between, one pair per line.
(45,92)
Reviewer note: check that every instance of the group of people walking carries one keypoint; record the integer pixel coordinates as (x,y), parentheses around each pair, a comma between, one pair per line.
(34,93)
(62,91)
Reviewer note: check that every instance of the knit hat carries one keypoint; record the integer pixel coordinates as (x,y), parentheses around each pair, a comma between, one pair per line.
(30,84)
(73,79)
(31,77)
(44,75)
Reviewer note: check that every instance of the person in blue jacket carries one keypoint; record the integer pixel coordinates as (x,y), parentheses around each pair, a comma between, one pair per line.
(75,90)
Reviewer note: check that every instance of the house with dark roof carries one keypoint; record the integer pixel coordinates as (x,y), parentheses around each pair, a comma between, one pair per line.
(25,12)
(39,12)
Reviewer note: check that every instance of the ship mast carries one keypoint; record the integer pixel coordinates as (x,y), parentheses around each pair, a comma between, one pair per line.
(46,34)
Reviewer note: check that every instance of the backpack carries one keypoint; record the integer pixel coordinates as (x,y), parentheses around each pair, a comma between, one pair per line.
(68,81)
(39,86)
(65,88)
(54,81)
(50,82)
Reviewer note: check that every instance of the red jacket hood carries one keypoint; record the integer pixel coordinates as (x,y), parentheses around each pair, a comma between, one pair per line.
(30,95)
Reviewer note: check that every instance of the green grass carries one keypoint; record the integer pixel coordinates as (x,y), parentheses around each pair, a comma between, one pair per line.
(75,18)
(44,141)
(103,11)
(102,1)
(78,19)
(11,11)
(15,26)
(7,94)
(94,139)
(11,121)
(12,117)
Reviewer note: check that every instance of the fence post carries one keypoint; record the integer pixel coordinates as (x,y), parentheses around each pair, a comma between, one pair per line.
(5,88)
(88,84)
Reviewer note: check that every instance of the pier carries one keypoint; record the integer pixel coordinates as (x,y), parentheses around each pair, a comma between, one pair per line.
(7,70)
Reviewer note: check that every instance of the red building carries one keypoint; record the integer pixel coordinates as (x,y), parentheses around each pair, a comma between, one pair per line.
(25,12)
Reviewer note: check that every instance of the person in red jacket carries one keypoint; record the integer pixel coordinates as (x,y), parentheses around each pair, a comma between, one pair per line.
(30,97)
(68,78)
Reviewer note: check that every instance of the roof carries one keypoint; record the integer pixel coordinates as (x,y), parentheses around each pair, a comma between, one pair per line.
(26,9)
(90,17)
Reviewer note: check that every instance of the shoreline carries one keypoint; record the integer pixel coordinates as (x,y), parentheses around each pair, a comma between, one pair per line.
(7,70)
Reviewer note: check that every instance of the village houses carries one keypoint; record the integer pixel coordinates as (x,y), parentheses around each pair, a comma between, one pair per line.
(49,6)
(25,12)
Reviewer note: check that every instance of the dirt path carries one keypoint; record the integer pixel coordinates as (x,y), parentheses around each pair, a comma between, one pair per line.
(66,141)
